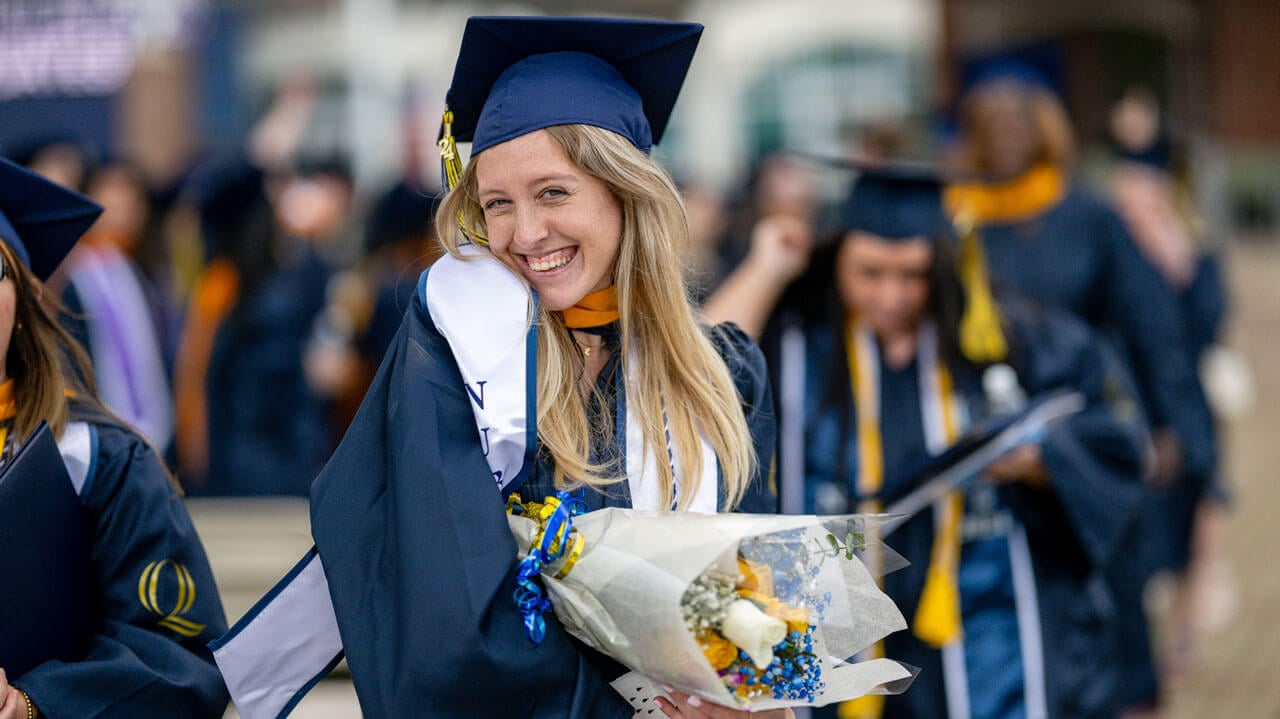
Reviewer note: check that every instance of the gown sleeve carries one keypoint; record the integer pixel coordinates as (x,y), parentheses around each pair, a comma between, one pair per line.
(1206,305)
(1094,458)
(158,601)
(751,376)
(1147,313)
(421,566)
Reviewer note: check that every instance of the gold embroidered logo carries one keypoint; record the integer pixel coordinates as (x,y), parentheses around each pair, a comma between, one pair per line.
(149,595)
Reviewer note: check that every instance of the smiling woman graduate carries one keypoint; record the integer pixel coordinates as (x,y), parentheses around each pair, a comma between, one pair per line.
(553,348)
(154,603)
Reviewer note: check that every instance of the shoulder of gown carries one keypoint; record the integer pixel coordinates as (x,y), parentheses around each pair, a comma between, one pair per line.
(149,656)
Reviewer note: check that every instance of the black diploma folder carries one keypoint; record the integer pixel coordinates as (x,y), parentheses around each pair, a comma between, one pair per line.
(963,462)
(46,586)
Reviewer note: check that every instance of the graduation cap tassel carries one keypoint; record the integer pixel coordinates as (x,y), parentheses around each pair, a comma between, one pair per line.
(450,162)
(981,336)
(451,168)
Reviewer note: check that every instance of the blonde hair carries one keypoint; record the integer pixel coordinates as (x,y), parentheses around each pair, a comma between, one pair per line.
(681,377)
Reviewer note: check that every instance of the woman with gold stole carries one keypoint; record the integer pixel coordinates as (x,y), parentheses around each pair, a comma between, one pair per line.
(152,602)
(1049,238)
(1009,612)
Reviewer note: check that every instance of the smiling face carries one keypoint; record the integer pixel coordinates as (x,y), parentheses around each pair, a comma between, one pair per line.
(556,225)
(885,283)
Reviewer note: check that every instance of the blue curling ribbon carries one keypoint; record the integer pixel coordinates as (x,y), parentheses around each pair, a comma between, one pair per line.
(529,596)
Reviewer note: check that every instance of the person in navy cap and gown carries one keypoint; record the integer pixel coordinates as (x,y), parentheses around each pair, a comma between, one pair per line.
(904,349)
(155,600)
(561,198)
(248,420)
(1150,189)
(1048,237)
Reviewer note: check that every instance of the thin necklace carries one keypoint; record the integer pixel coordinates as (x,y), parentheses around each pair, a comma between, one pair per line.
(586,348)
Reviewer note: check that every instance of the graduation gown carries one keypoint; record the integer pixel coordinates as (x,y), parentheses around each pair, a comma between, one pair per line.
(269,433)
(1078,256)
(156,597)
(116,314)
(421,566)
(1038,620)
(1203,307)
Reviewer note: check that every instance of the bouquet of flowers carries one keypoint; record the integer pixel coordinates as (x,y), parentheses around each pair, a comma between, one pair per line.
(758,611)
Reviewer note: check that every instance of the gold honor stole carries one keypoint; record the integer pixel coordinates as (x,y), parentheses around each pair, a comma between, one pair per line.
(937,619)
(1029,195)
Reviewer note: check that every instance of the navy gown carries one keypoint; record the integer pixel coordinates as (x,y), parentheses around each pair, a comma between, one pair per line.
(269,432)
(421,564)
(147,659)
(1037,613)
(1077,255)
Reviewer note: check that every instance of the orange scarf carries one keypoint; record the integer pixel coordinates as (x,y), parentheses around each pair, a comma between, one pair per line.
(8,403)
(1022,198)
(595,310)
(8,410)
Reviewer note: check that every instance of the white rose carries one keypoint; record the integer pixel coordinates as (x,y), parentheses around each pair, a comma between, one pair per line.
(753,631)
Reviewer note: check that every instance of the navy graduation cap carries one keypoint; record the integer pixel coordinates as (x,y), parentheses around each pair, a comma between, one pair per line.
(519,74)
(897,202)
(40,219)
(1038,66)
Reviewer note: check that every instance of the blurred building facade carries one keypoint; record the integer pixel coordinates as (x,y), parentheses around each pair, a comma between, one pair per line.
(166,81)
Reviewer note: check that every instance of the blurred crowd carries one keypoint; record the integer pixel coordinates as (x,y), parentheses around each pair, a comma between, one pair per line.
(236,317)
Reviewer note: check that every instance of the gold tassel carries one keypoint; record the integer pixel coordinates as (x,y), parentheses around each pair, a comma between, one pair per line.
(452,163)
(449,153)
(937,620)
(981,336)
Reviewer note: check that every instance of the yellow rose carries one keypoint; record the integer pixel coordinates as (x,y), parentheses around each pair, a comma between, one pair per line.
(787,613)
(755,577)
(720,652)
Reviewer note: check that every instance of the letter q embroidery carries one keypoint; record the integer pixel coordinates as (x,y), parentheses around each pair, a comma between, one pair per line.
(156,601)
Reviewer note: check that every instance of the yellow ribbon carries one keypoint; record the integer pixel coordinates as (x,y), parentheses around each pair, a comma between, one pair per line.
(972,206)
(937,619)
(540,513)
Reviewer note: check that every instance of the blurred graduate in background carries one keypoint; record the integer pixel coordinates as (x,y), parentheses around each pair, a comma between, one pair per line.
(249,423)
(1151,190)
(115,311)
(900,349)
(366,304)
(1054,241)
(154,601)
